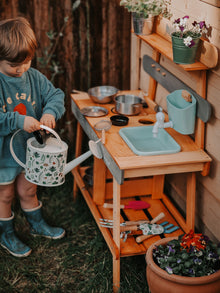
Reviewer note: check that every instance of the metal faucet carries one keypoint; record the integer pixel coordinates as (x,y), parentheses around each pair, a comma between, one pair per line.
(160,117)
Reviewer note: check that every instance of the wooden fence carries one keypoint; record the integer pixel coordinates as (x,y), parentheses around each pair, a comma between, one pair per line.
(90,43)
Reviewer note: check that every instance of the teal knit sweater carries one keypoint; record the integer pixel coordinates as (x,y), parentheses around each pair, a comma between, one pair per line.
(32,94)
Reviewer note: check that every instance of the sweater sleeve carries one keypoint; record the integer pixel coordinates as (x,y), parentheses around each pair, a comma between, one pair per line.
(10,121)
(53,98)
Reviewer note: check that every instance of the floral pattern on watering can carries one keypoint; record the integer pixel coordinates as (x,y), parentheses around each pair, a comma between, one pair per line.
(45,169)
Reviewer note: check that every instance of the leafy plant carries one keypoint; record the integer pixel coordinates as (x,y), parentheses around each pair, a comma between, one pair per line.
(147,7)
(48,60)
(182,30)
(192,255)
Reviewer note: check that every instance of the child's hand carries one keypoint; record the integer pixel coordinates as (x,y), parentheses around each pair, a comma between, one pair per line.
(31,124)
(48,120)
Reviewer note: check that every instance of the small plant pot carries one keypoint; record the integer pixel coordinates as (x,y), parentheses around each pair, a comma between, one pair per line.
(183,54)
(141,25)
(160,281)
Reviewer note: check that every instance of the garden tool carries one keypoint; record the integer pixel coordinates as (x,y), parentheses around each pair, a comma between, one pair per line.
(150,230)
(106,223)
(46,163)
(135,205)
(128,226)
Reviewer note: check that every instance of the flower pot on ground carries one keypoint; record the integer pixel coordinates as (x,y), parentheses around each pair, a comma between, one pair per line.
(186,41)
(159,280)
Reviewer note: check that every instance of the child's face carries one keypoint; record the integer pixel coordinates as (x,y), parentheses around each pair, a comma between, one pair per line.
(14,69)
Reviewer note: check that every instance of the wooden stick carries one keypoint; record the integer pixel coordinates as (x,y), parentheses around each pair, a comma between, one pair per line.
(129,228)
(157,218)
(141,238)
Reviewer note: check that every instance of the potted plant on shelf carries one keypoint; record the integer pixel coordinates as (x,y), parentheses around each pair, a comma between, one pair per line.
(186,40)
(189,263)
(144,11)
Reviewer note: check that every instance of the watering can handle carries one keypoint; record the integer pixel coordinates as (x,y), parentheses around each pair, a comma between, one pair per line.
(12,138)
(12,150)
(53,132)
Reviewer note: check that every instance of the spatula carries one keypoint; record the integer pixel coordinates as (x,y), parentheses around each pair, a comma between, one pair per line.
(135,205)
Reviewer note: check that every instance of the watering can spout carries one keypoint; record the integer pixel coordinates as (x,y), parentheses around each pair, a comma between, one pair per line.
(94,150)
(71,165)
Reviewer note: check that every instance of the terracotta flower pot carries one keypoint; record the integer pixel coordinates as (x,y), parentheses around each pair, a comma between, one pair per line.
(160,281)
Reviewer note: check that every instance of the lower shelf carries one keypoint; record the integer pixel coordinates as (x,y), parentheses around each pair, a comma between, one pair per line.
(129,247)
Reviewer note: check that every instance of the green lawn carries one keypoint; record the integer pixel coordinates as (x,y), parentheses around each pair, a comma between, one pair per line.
(80,262)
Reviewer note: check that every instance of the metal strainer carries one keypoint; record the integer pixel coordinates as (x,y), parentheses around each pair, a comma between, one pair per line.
(103,125)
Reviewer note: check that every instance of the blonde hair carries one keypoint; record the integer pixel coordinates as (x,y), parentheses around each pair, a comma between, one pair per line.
(17,40)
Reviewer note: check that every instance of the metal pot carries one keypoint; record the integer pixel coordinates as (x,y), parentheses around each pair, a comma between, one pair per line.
(128,104)
(102,94)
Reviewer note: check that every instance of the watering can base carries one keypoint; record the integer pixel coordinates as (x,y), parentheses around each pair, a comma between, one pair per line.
(44,183)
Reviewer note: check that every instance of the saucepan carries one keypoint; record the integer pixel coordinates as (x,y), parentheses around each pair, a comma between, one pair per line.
(129,104)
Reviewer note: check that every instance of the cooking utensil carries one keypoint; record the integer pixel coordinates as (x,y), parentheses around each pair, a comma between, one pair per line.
(128,104)
(46,165)
(103,125)
(102,94)
(119,120)
(94,111)
(135,205)
(166,228)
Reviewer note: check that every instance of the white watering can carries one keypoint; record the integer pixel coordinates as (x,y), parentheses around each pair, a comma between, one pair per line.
(46,164)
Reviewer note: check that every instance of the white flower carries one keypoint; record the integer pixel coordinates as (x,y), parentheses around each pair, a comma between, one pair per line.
(187,41)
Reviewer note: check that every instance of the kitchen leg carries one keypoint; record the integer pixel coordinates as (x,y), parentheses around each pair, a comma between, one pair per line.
(116,233)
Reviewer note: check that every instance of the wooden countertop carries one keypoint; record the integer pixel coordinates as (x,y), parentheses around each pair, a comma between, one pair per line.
(190,159)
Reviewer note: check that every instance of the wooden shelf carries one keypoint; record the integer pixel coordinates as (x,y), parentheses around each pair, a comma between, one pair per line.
(160,41)
(164,47)
(130,247)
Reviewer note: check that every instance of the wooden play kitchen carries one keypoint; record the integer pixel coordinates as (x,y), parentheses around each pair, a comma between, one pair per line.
(122,176)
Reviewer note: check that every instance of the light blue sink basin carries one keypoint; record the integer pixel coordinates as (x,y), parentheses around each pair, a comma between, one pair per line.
(141,141)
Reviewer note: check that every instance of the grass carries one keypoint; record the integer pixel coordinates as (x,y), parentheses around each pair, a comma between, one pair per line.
(80,262)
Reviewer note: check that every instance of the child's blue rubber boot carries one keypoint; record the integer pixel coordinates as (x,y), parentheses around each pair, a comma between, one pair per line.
(38,226)
(9,240)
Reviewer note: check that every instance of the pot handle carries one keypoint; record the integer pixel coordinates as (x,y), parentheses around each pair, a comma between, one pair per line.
(53,132)
(12,150)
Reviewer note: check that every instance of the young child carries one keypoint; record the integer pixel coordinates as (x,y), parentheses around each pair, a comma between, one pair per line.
(27,100)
